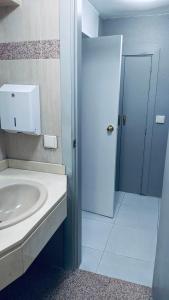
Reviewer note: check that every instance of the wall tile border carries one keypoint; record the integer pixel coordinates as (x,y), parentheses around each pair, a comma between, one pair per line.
(45,49)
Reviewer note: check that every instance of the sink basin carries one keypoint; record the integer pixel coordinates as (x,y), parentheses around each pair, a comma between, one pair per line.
(19,199)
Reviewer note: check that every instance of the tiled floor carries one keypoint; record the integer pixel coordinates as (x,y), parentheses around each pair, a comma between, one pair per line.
(123,247)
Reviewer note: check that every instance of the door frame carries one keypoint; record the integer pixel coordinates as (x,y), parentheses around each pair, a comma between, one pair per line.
(70,74)
(70,38)
(154,52)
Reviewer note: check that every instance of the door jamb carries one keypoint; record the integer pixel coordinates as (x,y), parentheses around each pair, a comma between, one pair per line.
(154,52)
(70,71)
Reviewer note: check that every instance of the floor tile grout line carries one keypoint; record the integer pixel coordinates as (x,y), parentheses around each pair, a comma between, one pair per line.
(135,226)
(120,255)
(130,257)
(105,247)
(93,270)
(110,220)
(159,208)
(97,272)
(99,262)
(109,231)
(120,206)
(96,249)
(121,202)
(113,224)
(123,197)
(151,230)
(126,205)
(130,227)
(109,234)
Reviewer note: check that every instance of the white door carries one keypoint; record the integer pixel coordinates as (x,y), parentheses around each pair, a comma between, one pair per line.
(99,122)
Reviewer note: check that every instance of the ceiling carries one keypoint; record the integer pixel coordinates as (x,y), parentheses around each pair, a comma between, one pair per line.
(120,8)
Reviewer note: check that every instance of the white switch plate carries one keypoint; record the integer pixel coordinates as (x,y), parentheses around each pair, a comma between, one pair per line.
(50,142)
(160,119)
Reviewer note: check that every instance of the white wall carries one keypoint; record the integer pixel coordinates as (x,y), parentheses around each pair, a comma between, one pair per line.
(90,20)
(33,21)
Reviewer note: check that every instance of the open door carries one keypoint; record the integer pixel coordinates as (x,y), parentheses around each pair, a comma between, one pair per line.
(99,122)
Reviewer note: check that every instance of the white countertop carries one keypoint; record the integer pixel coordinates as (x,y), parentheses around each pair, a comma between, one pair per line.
(56,186)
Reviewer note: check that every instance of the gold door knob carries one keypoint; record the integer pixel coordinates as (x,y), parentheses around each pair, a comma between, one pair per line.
(110,129)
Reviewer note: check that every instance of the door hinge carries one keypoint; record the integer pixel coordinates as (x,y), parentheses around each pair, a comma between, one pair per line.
(74,144)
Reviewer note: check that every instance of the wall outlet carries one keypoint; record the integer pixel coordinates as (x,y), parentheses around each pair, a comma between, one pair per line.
(50,142)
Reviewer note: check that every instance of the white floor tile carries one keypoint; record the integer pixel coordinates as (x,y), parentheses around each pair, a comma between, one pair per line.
(127,269)
(119,197)
(90,259)
(133,242)
(129,239)
(140,217)
(96,217)
(95,233)
(140,201)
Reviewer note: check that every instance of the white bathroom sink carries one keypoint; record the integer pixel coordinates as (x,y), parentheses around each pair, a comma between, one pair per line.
(19,199)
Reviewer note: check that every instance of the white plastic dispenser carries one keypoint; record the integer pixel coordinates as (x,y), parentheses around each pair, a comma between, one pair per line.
(20,109)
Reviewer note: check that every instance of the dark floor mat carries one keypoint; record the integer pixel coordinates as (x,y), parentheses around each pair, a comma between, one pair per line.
(54,284)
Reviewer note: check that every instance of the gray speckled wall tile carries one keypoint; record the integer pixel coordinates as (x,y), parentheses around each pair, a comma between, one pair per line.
(50,49)
(47,49)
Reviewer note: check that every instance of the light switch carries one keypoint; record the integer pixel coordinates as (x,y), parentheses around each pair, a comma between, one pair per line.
(160,119)
(50,142)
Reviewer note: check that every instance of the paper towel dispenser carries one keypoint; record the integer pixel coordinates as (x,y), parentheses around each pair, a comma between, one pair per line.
(20,109)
